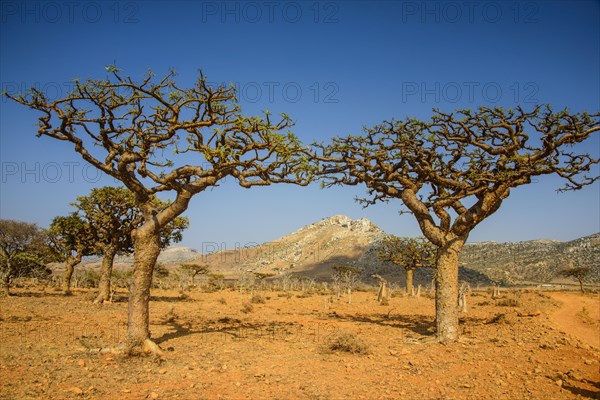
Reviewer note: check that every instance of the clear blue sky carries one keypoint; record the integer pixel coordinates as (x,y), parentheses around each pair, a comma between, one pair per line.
(333,66)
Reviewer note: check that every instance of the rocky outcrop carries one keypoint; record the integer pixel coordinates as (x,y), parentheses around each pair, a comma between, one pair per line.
(339,240)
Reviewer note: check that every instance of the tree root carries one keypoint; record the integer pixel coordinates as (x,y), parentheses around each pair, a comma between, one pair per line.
(133,348)
(101,300)
(150,347)
(147,347)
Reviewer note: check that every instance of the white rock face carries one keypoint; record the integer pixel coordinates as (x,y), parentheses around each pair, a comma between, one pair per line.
(359,225)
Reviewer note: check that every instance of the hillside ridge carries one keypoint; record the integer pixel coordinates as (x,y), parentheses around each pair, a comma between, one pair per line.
(314,249)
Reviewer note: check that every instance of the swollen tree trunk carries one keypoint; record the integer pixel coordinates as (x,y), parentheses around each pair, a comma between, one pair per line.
(147,248)
(70,267)
(447,290)
(410,288)
(108,259)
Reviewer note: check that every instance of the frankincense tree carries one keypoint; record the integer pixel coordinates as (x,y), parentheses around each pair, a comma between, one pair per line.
(408,253)
(155,136)
(71,238)
(23,247)
(112,215)
(456,170)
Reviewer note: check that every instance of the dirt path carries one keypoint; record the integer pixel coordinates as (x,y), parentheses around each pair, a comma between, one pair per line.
(578,316)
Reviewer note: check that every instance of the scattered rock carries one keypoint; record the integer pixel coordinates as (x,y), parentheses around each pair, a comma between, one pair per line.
(75,390)
(81,362)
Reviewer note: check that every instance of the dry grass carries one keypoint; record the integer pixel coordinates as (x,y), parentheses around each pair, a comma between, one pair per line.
(257,299)
(247,308)
(347,342)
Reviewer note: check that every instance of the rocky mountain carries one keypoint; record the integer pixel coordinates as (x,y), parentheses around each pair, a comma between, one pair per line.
(315,248)
(171,255)
(533,261)
(311,250)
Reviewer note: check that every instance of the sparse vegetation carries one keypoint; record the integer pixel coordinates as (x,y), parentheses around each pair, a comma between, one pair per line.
(508,302)
(257,299)
(345,278)
(347,342)
(247,308)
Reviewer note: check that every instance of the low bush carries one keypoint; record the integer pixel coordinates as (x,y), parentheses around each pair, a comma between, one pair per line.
(347,342)
(247,308)
(257,299)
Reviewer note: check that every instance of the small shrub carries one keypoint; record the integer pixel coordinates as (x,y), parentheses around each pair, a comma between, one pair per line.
(170,316)
(257,299)
(160,271)
(121,278)
(428,295)
(585,317)
(222,300)
(247,308)
(87,278)
(348,342)
(508,303)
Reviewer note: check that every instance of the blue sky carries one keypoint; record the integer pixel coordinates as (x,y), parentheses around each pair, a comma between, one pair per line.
(332,66)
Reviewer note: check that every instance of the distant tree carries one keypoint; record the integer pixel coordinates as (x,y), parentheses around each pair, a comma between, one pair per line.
(262,276)
(578,273)
(193,270)
(71,239)
(22,251)
(408,253)
(455,171)
(129,130)
(346,278)
(113,215)
(383,294)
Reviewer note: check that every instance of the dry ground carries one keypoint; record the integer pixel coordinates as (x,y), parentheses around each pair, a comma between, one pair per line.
(50,348)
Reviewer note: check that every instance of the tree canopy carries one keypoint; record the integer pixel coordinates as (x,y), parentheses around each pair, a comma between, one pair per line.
(408,253)
(461,164)
(454,171)
(155,136)
(23,250)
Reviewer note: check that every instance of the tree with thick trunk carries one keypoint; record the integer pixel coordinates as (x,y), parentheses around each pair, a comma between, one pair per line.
(408,253)
(22,247)
(104,285)
(112,215)
(71,239)
(131,129)
(455,171)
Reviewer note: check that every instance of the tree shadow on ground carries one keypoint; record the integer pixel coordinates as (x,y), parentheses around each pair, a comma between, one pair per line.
(231,328)
(37,294)
(590,394)
(171,299)
(422,325)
